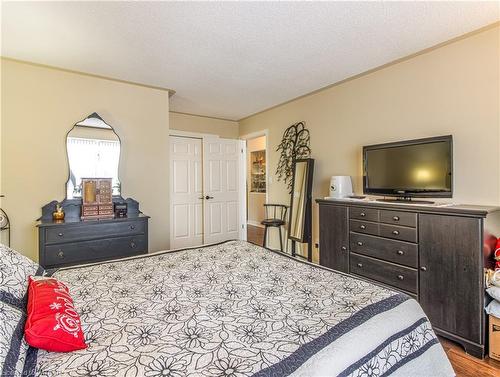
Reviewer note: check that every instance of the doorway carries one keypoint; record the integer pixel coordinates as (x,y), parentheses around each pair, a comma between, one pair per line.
(206,201)
(256,185)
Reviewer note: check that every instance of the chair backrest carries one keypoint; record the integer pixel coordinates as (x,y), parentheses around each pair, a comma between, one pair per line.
(276,211)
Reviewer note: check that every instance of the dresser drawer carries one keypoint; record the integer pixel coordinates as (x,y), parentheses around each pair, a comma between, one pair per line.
(384,272)
(381,248)
(399,218)
(69,233)
(366,214)
(363,227)
(398,232)
(91,251)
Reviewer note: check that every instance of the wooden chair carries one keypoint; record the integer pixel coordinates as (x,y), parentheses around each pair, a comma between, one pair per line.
(275,218)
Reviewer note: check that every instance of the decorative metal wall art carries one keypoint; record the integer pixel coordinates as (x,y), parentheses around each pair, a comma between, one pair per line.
(293,146)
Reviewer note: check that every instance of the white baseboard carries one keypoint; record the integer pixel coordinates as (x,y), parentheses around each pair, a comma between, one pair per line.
(255,223)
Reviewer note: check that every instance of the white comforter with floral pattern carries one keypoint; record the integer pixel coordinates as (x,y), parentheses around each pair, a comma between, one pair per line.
(236,309)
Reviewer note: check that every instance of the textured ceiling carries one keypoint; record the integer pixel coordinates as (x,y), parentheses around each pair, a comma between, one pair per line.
(232,59)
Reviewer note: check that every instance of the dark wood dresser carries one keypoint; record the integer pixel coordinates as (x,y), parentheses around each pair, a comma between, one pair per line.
(77,241)
(433,253)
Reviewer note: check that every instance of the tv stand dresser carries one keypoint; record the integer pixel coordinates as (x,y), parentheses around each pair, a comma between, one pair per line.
(433,253)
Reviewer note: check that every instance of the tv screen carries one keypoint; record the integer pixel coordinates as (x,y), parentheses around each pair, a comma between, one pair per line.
(410,168)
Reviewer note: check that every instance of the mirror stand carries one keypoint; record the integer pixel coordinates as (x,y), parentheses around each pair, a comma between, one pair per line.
(307,235)
(300,224)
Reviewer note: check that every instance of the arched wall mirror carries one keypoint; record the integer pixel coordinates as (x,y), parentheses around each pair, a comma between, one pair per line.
(93,149)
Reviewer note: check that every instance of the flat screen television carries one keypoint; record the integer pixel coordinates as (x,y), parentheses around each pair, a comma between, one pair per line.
(407,169)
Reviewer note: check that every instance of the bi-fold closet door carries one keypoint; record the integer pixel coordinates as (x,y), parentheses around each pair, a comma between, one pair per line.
(205,190)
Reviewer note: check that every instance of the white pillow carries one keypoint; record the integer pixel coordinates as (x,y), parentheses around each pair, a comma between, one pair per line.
(493,308)
(494,292)
(14,272)
(13,347)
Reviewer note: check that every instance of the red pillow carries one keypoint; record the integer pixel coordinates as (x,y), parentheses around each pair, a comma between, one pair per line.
(52,324)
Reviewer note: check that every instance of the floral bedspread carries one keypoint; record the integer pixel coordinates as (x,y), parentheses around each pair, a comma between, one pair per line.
(236,309)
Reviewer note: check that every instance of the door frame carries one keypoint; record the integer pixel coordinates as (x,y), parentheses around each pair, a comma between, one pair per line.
(242,179)
(246,137)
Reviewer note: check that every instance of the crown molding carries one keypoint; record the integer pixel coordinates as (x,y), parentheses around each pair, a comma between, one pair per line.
(171,92)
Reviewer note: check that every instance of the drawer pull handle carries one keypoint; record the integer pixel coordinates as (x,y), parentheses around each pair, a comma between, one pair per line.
(401,277)
(60,254)
(132,227)
(395,232)
(60,234)
(423,268)
(400,252)
(362,227)
(360,265)
(344,248)
(395,218)
(132,245)
(362,214)
(360,243)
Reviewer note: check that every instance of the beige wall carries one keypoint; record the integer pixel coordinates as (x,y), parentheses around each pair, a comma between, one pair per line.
(194,123)
(39,105)
(256,200)
(450,90)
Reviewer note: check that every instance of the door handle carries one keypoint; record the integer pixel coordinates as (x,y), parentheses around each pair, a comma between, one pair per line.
(201,197)
(209,197)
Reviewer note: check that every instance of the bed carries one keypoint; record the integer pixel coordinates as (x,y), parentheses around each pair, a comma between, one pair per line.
(237,309)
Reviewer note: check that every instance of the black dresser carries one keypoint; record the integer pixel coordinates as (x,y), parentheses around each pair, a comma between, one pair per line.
(433,253)
(76,241)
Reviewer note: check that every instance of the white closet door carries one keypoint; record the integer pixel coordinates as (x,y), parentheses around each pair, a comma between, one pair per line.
(221,182)
(186,190)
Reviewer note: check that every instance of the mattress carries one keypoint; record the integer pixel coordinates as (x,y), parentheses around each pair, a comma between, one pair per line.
(237,309)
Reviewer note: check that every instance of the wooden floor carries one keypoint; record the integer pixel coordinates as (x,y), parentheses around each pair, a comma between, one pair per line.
(464,365)
(469,366)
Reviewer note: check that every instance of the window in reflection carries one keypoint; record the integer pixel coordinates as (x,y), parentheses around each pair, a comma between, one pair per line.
(92,158)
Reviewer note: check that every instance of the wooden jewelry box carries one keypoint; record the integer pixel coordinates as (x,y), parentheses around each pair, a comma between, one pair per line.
(97,198)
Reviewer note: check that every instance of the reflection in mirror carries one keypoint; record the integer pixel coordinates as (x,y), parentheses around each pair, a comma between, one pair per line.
(93,152)
(297,215)
(300,224)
